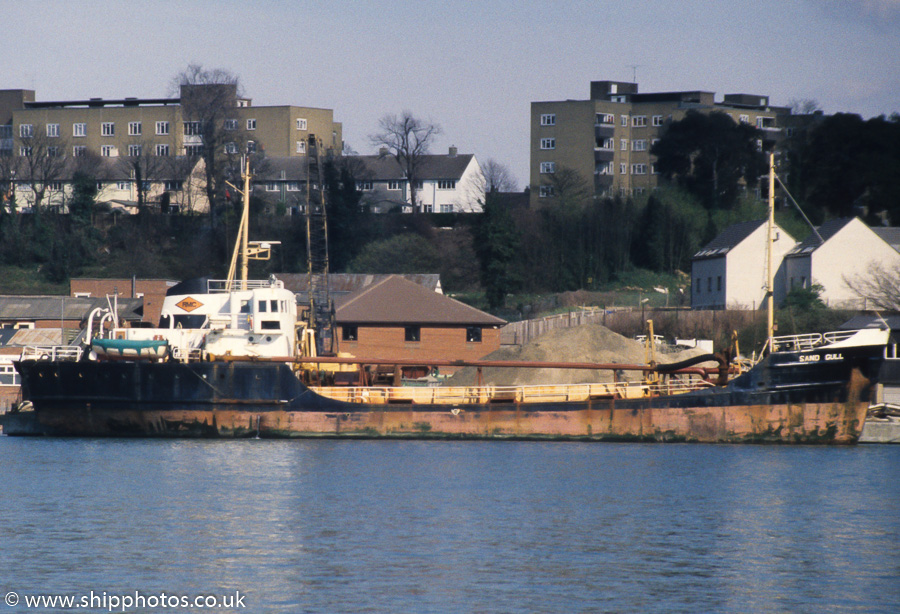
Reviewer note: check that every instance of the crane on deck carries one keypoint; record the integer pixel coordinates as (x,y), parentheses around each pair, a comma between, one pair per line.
(321,305)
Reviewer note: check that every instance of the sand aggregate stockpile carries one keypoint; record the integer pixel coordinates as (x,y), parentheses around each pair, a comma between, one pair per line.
(588,343)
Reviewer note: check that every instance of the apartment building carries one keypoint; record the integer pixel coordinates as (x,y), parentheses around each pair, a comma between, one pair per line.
(606,139)
(154,128)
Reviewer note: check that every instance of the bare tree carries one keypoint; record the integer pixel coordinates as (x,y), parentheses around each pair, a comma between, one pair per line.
(498,177)
(143,165)
(407,139)
(41,162)
(880,286)
(805,106)
(208,100)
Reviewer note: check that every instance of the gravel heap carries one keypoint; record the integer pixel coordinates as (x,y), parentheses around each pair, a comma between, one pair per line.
(588,343)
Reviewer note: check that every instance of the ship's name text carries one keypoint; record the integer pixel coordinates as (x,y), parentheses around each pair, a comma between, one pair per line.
(817,357)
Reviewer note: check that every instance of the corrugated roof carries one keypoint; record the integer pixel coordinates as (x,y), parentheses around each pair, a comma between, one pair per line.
(342,284)
(728,239)
(826,231)
(395,300)
(71,308)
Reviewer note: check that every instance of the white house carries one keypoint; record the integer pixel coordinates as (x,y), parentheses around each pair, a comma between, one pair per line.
(841,249)
(730,272)
(451,183)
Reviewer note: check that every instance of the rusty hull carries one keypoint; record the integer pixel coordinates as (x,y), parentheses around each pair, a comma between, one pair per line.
(812,423)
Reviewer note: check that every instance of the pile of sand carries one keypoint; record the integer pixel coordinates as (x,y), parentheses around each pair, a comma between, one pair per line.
(589,343)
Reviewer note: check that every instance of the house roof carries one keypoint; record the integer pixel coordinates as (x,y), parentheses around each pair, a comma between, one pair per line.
(728,239)
(386,167)
(812,241)
(867,320)
(71,308)
(291,168)
(395,300)
(889,234)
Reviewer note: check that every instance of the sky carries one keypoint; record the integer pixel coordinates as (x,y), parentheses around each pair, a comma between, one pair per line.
(471,67)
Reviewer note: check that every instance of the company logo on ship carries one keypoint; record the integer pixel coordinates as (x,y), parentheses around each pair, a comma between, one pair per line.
(189,304)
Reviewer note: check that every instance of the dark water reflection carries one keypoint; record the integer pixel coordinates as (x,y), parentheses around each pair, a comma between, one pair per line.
(368,526)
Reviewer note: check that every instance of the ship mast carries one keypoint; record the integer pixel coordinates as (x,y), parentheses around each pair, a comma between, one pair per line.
(770,232)
(243,247)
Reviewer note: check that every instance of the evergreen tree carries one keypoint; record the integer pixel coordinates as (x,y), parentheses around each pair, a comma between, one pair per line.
(497,247)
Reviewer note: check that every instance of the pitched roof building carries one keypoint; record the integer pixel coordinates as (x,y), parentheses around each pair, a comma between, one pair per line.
(841,250)
(451,183)
(395,318)
(730,271)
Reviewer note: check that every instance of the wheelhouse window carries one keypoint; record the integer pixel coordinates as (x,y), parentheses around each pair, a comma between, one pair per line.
(412,333)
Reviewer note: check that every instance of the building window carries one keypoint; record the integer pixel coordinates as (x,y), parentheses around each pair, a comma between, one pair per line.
(639,121)
(623,168)
(653,169)
(548,119)
(134,151)
(79,129)
(134,128)
(364,186)
(412,333)
(251,146)
(473,334)
(193,150)
(606,118)
(349,333)
(162,150)
(745,119)
(53,130)
(624,121)
(446,208)
(231,148)
(271,186)
(604,168)
(657,121)
(107,151)
(546,191)
(548,167)
(548,143)
(192,129)
(293,186)
(108,129)
(623,144)
(55,186)
(427,208)
(301,123)
(53,151)
(26,131)
(719,283)
(122,185)
(638,169)
(79,150)
(162,128)
(231,124)
(251,124)
(639,145)
(393,185)
(173,185)
(446,184)
(301,147)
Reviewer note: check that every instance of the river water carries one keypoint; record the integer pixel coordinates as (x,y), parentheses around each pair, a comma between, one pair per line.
(413,526)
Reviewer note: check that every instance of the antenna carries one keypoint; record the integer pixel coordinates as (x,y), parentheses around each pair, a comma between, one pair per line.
(634,68)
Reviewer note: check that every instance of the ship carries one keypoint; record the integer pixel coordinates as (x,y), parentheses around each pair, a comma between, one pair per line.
(237,358)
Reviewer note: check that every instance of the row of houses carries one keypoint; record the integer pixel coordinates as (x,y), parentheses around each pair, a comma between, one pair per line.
(731,271)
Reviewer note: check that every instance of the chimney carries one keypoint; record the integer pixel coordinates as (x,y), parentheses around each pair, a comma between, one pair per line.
(452,153)
(383,151)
